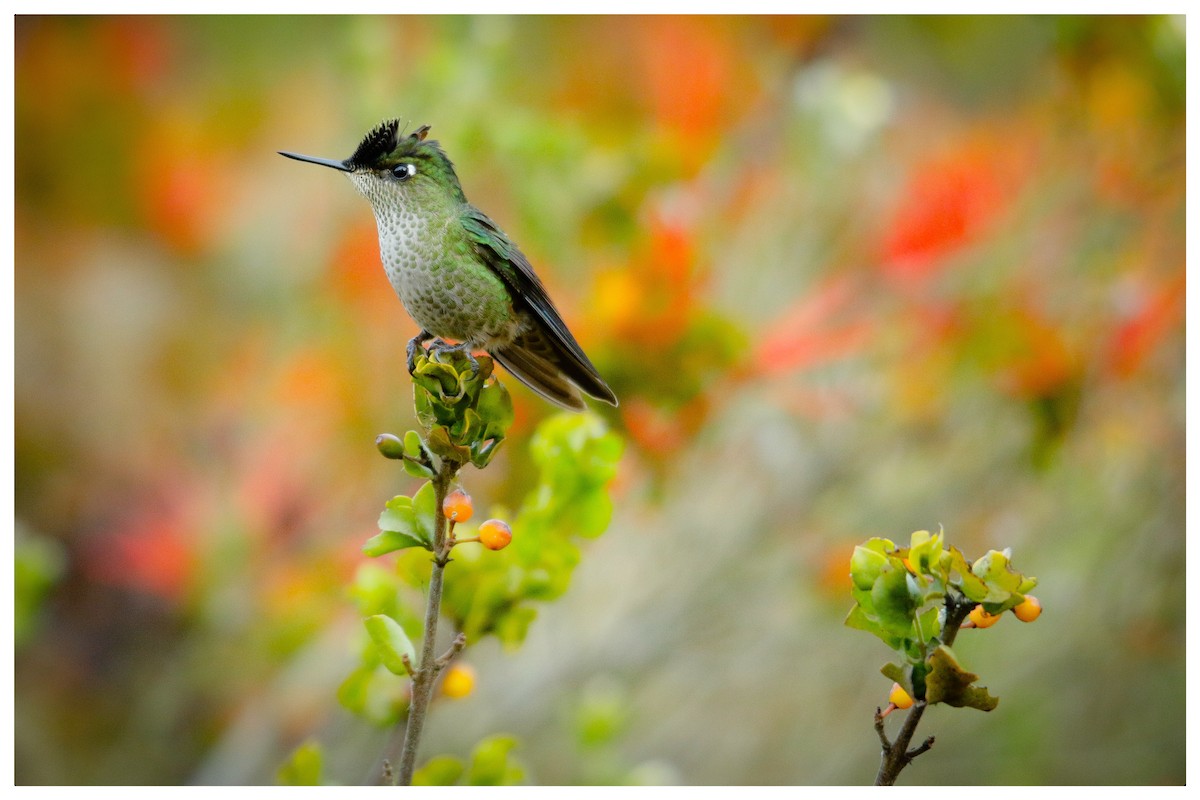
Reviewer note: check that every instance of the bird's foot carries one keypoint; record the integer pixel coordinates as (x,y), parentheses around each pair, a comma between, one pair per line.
(414,343)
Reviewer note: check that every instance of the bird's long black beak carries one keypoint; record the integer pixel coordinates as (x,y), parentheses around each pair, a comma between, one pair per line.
(324,162)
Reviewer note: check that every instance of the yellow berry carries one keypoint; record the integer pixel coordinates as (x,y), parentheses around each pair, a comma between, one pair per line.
(900,698)
(981,618)
(458,506)
(1029,610)
(459,681)
(495,534)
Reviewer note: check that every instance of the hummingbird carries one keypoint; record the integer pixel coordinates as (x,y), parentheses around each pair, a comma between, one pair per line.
(458,275)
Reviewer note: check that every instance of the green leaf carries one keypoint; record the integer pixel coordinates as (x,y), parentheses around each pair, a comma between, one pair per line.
(352,693)
(398,515)
(439,771)
(512,628)
(1003,582)
(400,528)
(424,407)
(603,713)
(897,673)
(437,378)
(423,506)
(894,599)
(482,451)
(971,586)
(373,589)
(388,542)
(490,765)
(495,409)
(303,767)
(996,570)
(442,446)
(868,560)
(417,470)
(858,619)
(925,552)
(949,683)
(930,624)
(392,642)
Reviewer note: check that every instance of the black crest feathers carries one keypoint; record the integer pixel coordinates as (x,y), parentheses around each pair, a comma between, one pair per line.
(381,141)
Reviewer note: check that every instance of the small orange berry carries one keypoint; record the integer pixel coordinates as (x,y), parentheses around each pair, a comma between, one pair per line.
(459,681)
(981,618)
(458,506)
(1029,610)
(495,534)
(900,698)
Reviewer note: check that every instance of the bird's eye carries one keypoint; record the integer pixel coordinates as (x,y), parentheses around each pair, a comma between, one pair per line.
(404,171)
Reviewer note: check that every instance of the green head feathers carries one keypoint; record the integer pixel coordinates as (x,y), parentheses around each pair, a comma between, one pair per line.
(385,148)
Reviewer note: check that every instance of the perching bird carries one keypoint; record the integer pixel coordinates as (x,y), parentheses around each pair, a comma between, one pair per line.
(457,274)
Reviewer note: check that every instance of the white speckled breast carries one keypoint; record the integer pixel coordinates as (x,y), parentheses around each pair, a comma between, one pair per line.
(430,265)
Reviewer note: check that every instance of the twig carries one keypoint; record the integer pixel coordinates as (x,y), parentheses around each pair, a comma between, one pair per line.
(423,678)
(911,754)
(896,755)
(883,740)
(456,647)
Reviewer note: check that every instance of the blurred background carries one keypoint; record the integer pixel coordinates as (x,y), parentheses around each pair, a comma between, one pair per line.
(850,277)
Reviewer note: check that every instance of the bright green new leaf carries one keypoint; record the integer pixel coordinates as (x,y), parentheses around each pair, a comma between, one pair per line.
(995,569)
(399,529)
(399,515)
(972,586)
(490,764)
(439,771)
(303,767)
(925,552)
(423,503)
(868,560)
(389,542)
(437,378)
(392,642)
(949,683)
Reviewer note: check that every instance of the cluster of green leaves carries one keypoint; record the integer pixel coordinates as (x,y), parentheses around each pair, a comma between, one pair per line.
(903,596)
(492,592)
(464,409)
(491,764)
(466,412)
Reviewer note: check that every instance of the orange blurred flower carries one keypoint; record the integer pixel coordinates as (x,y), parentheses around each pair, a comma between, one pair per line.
(1156,314)
(948,203)
(152,551)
